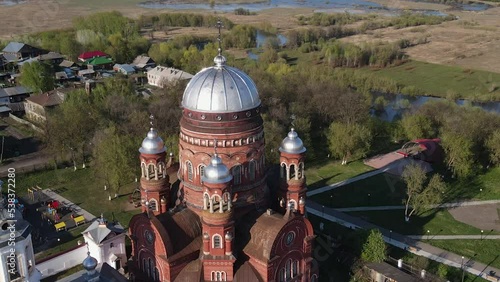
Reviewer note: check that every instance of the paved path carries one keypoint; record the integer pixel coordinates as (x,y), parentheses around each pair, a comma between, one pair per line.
(454,237)
(405,242)
(88,216)
(445,205)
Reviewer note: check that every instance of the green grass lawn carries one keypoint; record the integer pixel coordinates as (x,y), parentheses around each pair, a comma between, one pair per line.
(442,81)
(332,172)
(439,222)
(82,188)
(383,189)
(68,239)
(482,187)
(485,251)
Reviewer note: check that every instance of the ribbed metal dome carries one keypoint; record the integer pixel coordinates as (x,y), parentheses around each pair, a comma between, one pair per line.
(152,144)
(89,263)
(292,144)
(216,172)
(220,89)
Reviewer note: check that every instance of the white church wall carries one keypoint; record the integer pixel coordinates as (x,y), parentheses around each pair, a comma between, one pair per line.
(62,262)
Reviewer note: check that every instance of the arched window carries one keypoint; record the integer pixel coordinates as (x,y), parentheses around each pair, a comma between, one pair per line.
(206,201)
(288,269)
(216,241)
(151,171)
(300,172)
(293,205)
(283,170)
(189,167)
(314,278)
(201,169)
(153,205)
(218,276)
(144,266)
(157,274)
(281,277)
(295,268)
(292,171)
(143,170)
(150,268)
(237,174)
(251,170)
(161,170)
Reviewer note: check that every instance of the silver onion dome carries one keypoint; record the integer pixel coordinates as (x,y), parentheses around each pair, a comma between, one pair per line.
(89,263)
(216,172)
(292,144)
(220,89)
(152,144)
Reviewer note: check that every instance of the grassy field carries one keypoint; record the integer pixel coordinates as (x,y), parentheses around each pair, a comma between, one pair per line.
(486,251)
(444,81)
(82,188)
(383,189)
(439,222)
(332,172)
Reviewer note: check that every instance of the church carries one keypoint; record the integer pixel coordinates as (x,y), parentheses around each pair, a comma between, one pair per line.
(217,225)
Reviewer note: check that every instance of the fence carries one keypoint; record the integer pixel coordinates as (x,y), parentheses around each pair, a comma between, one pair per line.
(62,261)
(22,121)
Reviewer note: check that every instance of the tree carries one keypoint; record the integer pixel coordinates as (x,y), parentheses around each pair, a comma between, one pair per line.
(493,145)
(115,157)
(374,249)
(418,195)
(417,127)
(459,153)
(37,76)
(349,140)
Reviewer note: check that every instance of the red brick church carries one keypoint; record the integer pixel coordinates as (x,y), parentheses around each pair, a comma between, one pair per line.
(218,226)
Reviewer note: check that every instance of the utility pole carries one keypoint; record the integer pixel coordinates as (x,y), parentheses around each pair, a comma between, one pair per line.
(1,154)
(463,269)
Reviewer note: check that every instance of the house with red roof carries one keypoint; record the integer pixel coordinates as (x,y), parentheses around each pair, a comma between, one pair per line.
(91,54)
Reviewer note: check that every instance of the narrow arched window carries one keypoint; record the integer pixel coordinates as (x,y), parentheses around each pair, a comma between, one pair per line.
(292,171)
(153,205)
(201,169)
(283,171)
(300,172)
(189,167)
(293,205)
(295,268)
(237,174)
(151,171)
(157,273)
(282,275)
(217,242)
(251,170)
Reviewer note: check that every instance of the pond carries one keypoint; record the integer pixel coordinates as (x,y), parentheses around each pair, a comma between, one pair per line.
(11,3)
(319,4)
(398,104)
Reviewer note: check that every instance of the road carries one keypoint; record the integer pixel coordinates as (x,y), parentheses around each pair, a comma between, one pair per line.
(25,163)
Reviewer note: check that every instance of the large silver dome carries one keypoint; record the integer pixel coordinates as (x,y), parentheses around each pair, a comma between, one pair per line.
(216,172)
(152,144)
(220,89)
(292,144)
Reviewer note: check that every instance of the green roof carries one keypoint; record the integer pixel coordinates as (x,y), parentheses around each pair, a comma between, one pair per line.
(98,61)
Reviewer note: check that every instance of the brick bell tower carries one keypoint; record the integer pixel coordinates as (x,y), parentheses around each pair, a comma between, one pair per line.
(292,190)
(155,185)
(217,222)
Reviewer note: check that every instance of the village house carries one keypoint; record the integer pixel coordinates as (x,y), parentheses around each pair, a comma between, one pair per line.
(160,76)
(92,54)
(36,106)
(143,63)
(16,51)
(51,58)
(99,63)
(68,64)
(16,96)
(125,69)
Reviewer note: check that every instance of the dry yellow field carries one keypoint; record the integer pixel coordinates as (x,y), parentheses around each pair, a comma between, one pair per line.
(472,41)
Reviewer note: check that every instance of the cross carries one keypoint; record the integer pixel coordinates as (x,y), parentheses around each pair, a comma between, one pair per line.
(219,25)
(151,118)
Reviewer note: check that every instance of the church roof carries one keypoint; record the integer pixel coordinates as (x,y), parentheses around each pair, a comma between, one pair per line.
(191,272)
(261,234)
(183,228)
(100,230)
(246,273)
